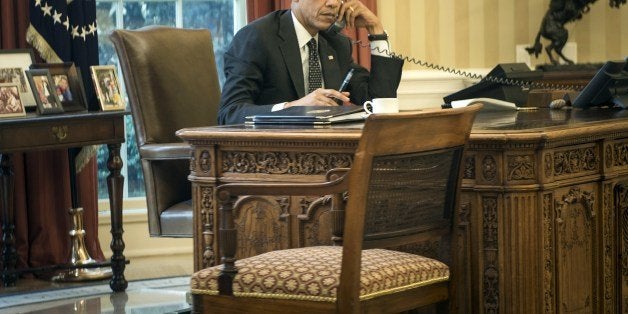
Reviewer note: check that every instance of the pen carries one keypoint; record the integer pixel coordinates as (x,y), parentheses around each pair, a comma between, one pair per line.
(345,83)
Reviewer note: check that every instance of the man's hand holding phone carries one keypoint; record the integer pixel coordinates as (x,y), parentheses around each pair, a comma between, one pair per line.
(356,14)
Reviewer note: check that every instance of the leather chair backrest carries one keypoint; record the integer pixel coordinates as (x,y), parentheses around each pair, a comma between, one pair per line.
(171,80)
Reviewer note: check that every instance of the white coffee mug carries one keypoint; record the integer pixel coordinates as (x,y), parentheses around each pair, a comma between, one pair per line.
(382,105)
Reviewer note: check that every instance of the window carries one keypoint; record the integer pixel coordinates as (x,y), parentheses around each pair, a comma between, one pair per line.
(221,17)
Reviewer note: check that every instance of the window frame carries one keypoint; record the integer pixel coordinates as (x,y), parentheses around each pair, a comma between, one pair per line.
(239,21)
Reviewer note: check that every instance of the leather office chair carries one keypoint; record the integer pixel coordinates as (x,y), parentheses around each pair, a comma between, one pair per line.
(402,190)
(172,83)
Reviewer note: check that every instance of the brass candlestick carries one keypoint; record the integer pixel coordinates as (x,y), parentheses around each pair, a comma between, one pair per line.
(79,255)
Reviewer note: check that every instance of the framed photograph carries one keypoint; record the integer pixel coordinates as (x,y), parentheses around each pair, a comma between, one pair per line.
(107,87)
(67,84)
(43,87)
(11,104)
(13,64)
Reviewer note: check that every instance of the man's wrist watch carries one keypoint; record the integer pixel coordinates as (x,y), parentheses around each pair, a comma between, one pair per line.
(374,37)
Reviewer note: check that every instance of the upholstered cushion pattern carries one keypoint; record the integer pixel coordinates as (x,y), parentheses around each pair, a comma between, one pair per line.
(313,274)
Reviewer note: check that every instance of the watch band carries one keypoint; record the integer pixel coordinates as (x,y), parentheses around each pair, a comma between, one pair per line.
(374,37)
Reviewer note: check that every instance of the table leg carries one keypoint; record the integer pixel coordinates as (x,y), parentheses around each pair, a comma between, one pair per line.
(9,253)
(115,184)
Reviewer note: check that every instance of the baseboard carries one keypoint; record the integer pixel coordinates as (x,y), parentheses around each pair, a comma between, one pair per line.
(150,257)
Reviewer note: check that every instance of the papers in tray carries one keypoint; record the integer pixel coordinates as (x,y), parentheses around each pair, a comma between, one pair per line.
(490,104)
(310,115)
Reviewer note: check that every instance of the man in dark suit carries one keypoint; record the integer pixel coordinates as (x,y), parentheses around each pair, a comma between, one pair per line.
(268,66)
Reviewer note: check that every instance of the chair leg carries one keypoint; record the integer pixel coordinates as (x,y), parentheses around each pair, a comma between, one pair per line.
(443,307)
(438,308)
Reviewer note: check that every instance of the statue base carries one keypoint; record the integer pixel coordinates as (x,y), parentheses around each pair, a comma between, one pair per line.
(84,274)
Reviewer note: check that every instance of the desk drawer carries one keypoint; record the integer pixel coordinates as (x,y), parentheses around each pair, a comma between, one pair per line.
(71,133)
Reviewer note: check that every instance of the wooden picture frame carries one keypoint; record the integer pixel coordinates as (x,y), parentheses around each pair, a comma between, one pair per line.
(11,104)
(13,66)
(43,88)
(68,84)
(107,87)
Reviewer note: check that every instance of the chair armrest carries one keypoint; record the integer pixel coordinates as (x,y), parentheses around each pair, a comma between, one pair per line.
(336,173)
(165,151)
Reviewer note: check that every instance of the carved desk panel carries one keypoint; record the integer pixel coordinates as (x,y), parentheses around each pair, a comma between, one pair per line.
(538,217)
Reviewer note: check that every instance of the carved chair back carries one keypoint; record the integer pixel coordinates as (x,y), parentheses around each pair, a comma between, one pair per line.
(403,186)
(401,190)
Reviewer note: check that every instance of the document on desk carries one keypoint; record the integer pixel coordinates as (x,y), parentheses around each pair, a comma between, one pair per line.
(490,104)
(310,115)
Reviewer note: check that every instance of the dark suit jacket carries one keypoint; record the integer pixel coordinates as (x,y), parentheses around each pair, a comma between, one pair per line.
(263,68)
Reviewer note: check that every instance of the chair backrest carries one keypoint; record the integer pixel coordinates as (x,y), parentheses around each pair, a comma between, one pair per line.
(172,83)
(171,79)
(403,185)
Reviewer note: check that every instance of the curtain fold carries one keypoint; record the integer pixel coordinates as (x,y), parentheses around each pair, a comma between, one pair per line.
(362,51)
(361,55)
(42,192)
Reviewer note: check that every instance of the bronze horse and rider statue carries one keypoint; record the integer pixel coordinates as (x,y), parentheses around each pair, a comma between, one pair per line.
(561,12)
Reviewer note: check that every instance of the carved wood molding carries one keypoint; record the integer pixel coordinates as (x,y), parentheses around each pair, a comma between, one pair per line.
(295,163)
(621,204)
(548,259)
(491,260)
(207,226)
(340,144)
(609,247)
(262,224)
(547,161)
(608,155)
(563,219)
(489,168)
(480,146)
(462,234)
(311,225)
(574,161)
(620,154)
(469,167)
(520,167)
(576,226)
(534,144)
(192,161)
(204,161)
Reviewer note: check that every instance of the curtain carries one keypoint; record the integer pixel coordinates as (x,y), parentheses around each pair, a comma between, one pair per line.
(42,192)
(258,8)
(361,53)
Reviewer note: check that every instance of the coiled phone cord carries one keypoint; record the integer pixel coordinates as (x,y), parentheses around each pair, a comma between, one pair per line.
(474,76)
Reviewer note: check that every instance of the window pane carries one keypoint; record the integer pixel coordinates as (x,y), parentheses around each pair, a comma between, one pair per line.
(143,13)
(217,16)
(106,20)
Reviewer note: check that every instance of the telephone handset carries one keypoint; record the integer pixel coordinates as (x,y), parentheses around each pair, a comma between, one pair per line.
(336,27)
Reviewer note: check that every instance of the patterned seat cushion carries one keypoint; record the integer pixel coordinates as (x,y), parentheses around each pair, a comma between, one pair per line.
(313,273)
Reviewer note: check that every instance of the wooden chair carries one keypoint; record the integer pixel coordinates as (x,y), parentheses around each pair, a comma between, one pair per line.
(172,82)
(402,189)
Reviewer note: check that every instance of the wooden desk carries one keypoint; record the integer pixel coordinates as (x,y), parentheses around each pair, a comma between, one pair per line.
(68,130)
(542,200)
